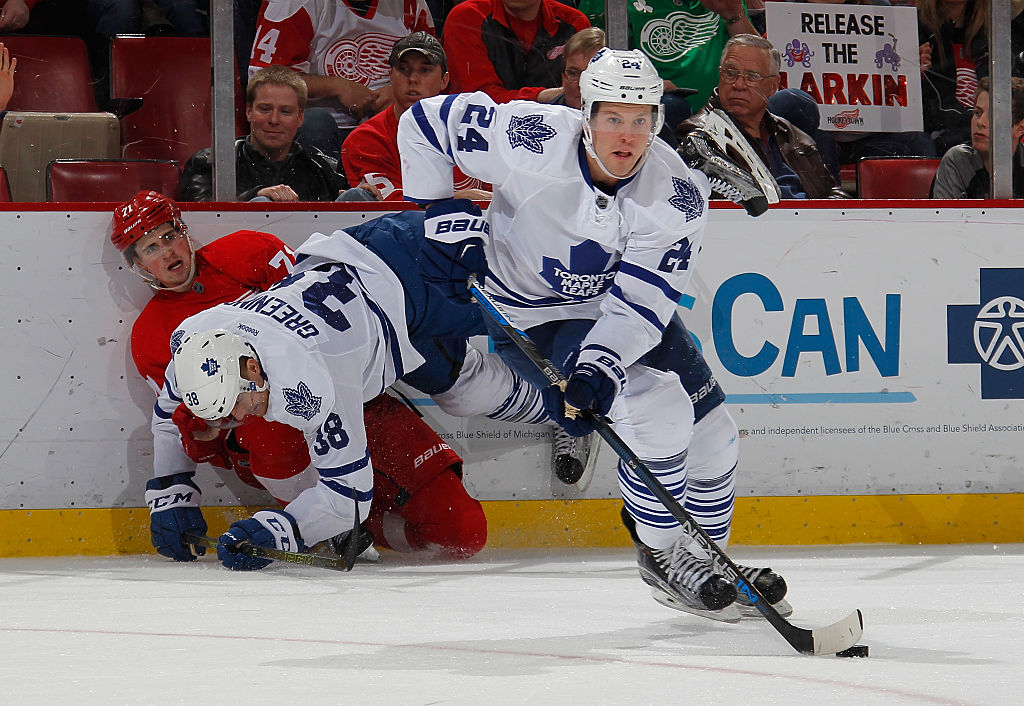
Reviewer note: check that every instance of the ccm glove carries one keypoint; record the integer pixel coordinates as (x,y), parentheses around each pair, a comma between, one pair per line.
(275,529)
(213,451)
(174,510)
(454,246)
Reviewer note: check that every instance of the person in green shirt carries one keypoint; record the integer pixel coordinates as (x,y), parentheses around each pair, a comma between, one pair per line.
(683,38)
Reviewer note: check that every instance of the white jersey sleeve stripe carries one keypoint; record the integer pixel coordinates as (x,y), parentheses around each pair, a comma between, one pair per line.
(346,469)
(645,275)
(647,314)
(351,493)
(423,123)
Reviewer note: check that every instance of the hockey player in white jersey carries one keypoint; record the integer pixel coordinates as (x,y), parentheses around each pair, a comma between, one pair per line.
(308,353)
(588,245)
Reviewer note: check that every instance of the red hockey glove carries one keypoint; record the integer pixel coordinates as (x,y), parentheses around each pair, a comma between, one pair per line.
(214,451)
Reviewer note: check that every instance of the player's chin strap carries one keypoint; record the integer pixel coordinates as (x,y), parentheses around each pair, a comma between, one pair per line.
(723,131)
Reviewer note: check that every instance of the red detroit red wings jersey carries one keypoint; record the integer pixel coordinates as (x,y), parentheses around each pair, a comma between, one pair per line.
(370,153)
(227,268)
(336,38)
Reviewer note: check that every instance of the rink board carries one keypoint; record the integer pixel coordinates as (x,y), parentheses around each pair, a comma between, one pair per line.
(868,352)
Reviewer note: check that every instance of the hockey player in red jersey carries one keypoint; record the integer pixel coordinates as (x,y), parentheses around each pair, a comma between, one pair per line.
(420,504)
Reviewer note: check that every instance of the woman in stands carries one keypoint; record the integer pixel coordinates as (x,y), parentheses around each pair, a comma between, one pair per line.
(954,55)
(964,170)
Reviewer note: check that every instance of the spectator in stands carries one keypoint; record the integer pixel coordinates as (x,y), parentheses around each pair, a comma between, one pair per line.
(7,66)
(749,77)
(339,48)
(683,38)
(269,163)
(954,55)
(112,17)
(964,170)
(419,69)
(509,49)
(580,49)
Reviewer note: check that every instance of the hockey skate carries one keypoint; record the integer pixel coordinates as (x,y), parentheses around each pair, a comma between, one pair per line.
(683,581)
(336,546)
(573,457)
(730,164)
(770,585)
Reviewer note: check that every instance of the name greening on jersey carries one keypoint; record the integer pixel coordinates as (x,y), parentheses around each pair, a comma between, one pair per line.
(280,311)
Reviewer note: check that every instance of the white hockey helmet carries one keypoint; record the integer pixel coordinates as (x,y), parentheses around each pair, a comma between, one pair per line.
(208,368)
(618,76)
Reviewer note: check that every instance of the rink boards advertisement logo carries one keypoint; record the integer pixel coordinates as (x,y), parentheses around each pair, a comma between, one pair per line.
(833,334)
(990,334)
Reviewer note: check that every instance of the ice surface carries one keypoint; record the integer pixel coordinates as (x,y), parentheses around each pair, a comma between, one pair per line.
(570,627)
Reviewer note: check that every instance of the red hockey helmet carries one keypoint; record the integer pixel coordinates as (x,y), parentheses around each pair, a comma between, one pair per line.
(144,212)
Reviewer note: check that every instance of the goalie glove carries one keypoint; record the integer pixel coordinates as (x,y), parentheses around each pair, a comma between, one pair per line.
(732,167)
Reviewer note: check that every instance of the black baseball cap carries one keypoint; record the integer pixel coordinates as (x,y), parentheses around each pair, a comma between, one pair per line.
(425,44)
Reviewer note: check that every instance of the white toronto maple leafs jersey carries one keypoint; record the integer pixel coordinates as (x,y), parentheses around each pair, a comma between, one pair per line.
(352,40)
(560,248)
(329,337)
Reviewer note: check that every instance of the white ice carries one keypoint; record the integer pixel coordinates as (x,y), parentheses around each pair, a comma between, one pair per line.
(944,625)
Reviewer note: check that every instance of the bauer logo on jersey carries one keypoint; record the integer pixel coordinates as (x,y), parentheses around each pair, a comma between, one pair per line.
(687,198)
(585,277)
(991,333)
(529,131)
(301,401)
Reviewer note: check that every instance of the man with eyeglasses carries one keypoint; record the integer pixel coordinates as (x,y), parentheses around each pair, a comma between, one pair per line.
(683,38)
(749,76)
(420,502)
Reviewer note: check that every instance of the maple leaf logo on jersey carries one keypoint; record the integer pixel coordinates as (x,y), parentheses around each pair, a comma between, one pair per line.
(176,339)
(585,277)
(529,131)
(301,401)
(687,198)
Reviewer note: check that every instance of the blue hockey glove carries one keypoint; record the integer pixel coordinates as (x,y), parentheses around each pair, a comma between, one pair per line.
(453,248)
(554,404)
(267,528)
(174,510)
(590,387)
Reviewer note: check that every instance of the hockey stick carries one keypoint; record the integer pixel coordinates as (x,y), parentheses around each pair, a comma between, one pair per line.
(250,549)
(819,641)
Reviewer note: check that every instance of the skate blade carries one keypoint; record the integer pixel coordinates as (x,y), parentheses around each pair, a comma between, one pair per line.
(729,614)
(782,607)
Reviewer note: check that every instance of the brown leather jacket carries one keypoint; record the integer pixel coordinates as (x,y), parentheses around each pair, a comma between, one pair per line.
(797,148)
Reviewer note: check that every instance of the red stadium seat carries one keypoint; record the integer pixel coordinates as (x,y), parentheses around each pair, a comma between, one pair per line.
(109,179)
(53,74)
(5,188)
(895,177)
(172,76)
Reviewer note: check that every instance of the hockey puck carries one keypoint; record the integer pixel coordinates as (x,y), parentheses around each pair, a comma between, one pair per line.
(855,651)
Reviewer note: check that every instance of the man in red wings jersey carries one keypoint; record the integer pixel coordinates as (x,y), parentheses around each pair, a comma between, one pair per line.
(420,502)
(419,70)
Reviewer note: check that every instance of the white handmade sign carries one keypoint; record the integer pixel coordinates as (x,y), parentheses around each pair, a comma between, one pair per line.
(860,63)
